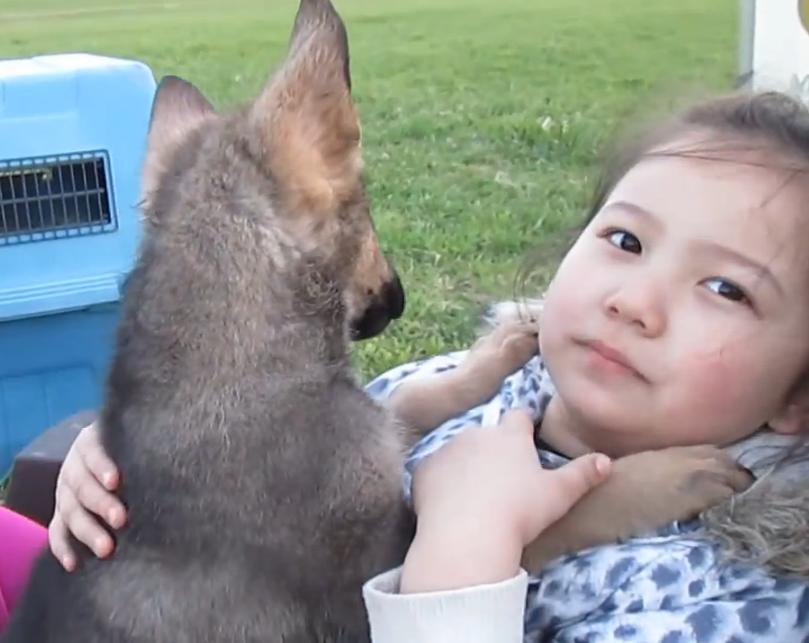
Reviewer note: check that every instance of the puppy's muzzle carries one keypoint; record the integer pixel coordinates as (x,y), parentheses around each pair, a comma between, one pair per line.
(387,304)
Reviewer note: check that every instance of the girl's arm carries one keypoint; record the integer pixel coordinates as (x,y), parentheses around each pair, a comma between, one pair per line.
(490,613)
(477,506)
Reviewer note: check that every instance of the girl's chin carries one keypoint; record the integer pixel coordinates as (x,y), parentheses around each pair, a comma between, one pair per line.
(610,409)
(606,417)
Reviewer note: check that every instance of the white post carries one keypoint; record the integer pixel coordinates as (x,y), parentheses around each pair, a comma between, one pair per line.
(774,45)
(747,31)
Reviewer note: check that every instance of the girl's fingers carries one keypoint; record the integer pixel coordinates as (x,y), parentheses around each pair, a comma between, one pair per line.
(81,524)
(94,498)
(565,486)
(519,420)
(59,543)
(78,484)
(88,446)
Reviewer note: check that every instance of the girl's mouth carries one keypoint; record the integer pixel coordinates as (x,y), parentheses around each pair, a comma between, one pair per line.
(606,357)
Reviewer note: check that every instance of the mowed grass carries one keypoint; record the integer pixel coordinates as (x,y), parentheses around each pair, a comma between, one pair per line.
(481,119)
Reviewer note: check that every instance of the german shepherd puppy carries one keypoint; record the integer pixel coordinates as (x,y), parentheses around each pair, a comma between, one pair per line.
(263,485)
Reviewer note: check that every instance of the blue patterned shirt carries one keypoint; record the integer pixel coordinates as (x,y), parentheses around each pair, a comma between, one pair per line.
(666,587)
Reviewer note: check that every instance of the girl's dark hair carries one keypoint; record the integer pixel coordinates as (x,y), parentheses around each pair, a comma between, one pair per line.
(769,121)
(773,123)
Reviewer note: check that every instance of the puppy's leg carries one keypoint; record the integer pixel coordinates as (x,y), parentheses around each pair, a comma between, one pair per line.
(424,404)
(645,491)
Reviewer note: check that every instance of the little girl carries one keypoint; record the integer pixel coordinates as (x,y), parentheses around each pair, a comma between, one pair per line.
(680,316)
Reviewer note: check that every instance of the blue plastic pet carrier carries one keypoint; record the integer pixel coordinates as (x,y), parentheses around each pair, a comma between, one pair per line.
(72,136)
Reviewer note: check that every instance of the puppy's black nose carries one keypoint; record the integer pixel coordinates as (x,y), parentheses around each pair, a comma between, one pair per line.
(394,294)
(388,304)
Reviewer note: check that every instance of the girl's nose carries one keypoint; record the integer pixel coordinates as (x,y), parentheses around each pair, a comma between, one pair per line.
(639,304)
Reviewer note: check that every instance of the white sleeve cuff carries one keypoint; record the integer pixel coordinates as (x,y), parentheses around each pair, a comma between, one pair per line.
(482,614)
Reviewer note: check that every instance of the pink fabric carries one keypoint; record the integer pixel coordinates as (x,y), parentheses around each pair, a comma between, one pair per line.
(21,541)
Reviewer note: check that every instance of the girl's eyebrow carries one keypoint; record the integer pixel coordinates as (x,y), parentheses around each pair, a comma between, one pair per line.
(702,244)
(740,258)
(634,208)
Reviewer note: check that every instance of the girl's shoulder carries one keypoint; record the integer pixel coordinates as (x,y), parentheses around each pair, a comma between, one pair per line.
(670,586)
(381,387)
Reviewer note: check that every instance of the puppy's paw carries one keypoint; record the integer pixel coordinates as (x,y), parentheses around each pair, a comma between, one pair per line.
(709,475)
(644,492)
(679,483)
(502,351)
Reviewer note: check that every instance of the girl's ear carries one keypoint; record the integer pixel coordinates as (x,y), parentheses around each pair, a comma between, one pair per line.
(794,418)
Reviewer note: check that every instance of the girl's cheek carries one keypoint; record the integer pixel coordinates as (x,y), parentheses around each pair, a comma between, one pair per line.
(566,298)
(557,312)
(717,390)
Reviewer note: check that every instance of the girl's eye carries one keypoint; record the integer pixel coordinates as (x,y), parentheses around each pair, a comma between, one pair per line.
(727,289)
(624,240)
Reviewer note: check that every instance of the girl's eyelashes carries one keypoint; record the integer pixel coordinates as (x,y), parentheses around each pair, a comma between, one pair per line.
(624,240)
(728,290)
(724,288)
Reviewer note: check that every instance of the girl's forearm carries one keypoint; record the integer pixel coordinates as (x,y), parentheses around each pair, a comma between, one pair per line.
(452,558)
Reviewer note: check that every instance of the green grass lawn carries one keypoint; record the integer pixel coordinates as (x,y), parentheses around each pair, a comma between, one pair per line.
(481,119)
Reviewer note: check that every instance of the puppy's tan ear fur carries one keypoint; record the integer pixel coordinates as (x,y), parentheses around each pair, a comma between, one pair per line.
(306,121)
(178,109)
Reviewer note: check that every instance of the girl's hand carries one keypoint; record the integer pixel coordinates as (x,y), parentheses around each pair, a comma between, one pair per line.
(482,498)
(84,487)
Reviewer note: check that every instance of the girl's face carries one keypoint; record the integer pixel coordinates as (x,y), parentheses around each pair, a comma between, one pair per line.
(681,314)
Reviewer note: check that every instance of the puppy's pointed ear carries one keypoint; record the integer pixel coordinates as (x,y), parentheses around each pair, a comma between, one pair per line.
(319,19)
(305,119)
(178,109)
